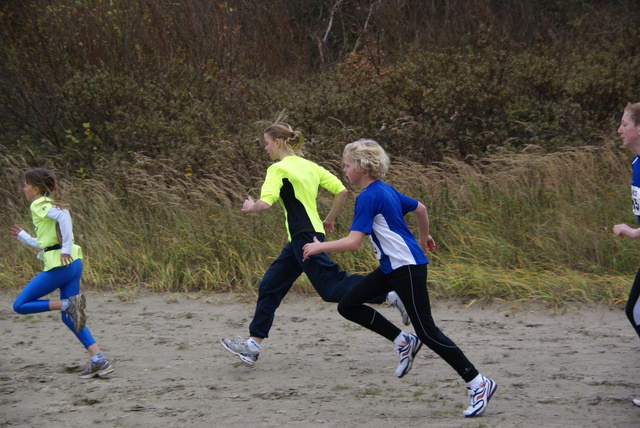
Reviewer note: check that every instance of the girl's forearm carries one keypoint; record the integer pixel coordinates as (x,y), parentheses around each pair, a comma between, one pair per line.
(422,218)
(338,203)
(351,242)
(340,246)
(25,238)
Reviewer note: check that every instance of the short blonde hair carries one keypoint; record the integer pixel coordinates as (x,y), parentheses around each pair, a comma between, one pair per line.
(634,112)
(368,156)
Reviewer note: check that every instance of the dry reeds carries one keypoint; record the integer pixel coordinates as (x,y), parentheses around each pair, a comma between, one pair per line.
(512,227)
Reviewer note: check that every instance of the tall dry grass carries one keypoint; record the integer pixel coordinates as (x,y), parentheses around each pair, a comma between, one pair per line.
(517,227)
(531,225)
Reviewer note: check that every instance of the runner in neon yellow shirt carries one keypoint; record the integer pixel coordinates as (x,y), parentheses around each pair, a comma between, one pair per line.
(62,266)
(294,182)
(47,232)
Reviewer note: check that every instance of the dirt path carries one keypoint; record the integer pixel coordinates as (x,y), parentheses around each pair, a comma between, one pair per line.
(576,369)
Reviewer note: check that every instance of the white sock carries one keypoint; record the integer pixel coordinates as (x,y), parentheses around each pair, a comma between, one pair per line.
(253,345)
(65,305)
(391,296)
(475,383)
(400,340)
(98,357)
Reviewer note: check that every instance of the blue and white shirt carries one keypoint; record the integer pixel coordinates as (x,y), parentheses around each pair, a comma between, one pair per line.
(379,213)
(635,185)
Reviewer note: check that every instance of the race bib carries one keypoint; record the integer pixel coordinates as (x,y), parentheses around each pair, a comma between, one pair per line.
(635,197)
(376,249)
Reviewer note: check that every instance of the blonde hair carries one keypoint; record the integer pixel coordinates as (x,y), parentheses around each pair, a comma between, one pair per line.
(368,156)
(291,139)
(634,112)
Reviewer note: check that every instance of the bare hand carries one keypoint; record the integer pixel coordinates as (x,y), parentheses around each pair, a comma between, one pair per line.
(15,231)
(311,249)
(428,244)
(621,230)
(65,259)
(328,227)
(248,205)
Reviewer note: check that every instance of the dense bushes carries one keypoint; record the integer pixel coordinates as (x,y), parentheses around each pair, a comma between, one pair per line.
(429,80)
(164,98)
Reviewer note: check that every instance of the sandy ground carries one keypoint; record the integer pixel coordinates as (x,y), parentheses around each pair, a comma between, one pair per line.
(578,368)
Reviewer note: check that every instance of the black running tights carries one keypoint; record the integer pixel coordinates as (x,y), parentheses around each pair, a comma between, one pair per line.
(633,306)
(410,283)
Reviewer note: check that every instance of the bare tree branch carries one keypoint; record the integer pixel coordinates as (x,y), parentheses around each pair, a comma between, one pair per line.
(366,24)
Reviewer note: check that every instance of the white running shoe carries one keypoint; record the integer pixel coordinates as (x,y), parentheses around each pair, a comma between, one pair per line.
(636,401)
(394,301)
(406,352)
(479,397)
(240,348)
(101,369)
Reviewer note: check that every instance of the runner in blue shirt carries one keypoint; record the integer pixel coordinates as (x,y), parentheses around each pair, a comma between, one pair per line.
(629,131)
(379,214)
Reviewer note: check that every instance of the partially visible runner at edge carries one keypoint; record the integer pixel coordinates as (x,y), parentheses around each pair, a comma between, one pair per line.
(629,131)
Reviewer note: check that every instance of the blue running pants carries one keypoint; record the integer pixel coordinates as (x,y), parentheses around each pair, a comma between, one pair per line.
(67,279)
